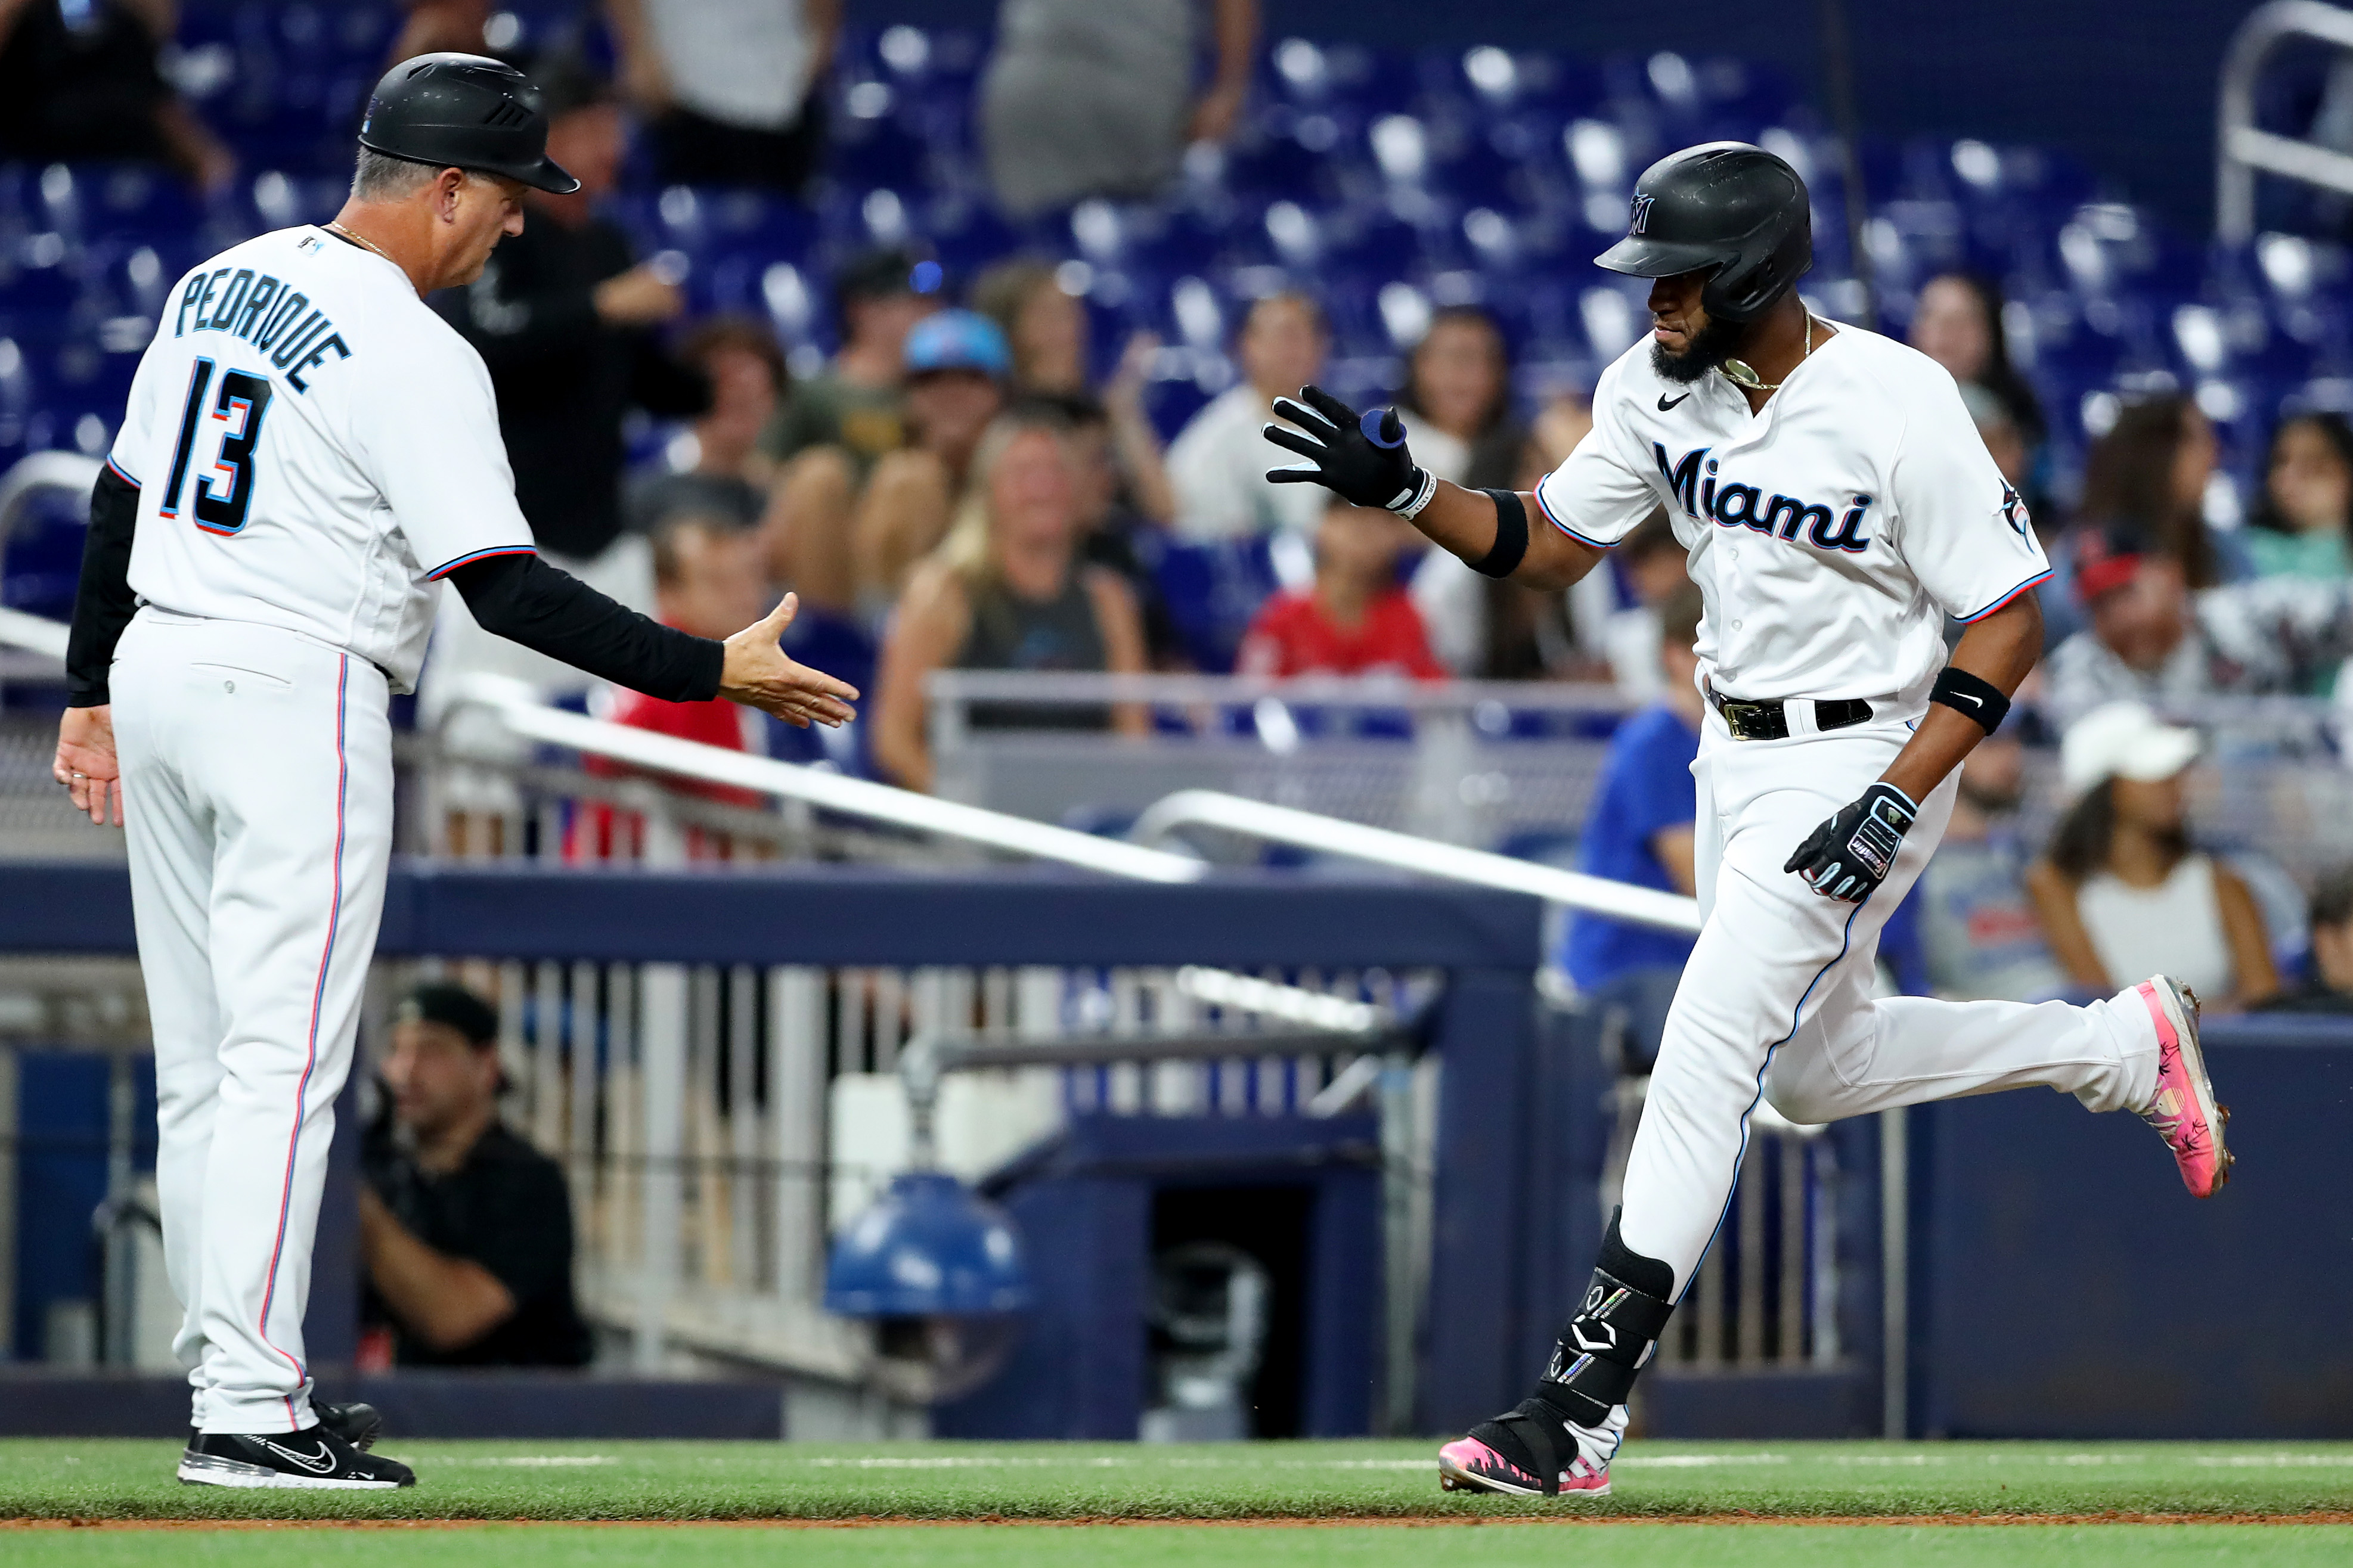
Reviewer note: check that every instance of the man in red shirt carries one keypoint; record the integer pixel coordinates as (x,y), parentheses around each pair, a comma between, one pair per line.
(1357,619)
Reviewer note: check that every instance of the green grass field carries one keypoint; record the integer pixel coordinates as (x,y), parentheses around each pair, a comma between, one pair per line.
(1369,1504)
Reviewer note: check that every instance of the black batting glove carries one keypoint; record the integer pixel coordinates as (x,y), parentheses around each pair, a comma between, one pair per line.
(1848,857)
(1361,458)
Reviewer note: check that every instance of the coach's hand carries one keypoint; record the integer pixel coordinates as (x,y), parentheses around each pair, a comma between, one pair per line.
(1848,857)
(758,674)
(85,762)
(1361,458)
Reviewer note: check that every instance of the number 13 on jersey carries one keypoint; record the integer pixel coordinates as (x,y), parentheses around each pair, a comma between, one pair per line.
(225,494)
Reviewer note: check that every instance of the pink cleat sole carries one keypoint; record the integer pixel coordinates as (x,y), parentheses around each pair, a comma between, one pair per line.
(2183,1110)
(1467,1464)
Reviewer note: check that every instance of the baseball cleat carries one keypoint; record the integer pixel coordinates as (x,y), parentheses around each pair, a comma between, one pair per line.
(313,1458)
(1478,1463)
(2183,1110)
(356,1423)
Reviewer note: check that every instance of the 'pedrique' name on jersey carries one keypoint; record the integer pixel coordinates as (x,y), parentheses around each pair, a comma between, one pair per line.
(274,318)
(1727,503)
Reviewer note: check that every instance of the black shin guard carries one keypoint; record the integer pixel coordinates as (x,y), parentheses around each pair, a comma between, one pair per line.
(1612,1336)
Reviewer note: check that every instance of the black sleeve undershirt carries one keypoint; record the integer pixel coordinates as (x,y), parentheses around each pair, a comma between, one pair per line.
(525,599)
(103,602)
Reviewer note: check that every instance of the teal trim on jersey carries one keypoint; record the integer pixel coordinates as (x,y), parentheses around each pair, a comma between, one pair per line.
(1538,493)
(2040,577)
(449,567)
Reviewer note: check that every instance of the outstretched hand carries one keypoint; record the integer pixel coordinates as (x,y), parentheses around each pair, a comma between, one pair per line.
(85,762)
(1361,458)
(758,674)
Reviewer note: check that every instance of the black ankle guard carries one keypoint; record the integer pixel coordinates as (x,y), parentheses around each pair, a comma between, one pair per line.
(1613,1335)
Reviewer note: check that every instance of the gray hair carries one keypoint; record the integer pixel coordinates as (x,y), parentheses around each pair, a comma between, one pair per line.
(381,177)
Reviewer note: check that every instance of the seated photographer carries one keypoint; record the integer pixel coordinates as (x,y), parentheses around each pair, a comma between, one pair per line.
(465,1229)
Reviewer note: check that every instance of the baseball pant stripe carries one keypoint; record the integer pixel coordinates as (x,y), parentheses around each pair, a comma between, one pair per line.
(318,1002)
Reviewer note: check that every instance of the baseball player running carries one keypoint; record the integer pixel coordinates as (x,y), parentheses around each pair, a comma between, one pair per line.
(307,451)
(1838,506)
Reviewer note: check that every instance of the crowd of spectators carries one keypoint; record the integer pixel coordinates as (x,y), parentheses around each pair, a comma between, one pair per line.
(968,483)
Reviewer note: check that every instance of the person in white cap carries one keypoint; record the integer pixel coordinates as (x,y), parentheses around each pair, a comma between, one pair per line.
(2122,890)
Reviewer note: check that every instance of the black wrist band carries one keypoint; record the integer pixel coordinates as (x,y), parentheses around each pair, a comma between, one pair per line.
(1503,557)
(1965,693)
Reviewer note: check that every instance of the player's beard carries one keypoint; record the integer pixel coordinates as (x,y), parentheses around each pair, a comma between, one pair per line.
(1714,344)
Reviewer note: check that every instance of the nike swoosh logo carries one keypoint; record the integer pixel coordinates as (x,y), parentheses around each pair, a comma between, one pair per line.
(318,1464)
(1974,701)
(1666,402)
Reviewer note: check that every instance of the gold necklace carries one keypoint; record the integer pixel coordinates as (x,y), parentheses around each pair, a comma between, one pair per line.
(364,243)
(1741,375)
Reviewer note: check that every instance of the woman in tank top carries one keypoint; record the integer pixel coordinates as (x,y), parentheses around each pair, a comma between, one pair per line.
(1007,590)
(2122,892)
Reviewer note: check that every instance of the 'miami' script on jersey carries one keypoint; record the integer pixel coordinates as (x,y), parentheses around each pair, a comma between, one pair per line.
(1830,533)
(312,447)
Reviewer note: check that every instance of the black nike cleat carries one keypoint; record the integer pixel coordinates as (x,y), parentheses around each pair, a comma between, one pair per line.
(314,1457)
(356,1423)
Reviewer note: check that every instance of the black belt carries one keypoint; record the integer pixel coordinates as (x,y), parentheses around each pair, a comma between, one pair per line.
(1770,721)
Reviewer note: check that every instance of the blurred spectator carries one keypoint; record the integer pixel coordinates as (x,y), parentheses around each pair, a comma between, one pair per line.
(2328,985)
(733,88)
(1640,831)
(833,427)
(2151,469)
(1043,323)
(1978,926)
(1958,323)
(855,404)
(2122,893)
(1647,570)
(1084,99)
(729,475)
(956,366)
(707,581)
(1007,590)
(1111,524)
(440,27)
(2150,640)
(1356,619)
(1457,405)
(82,79)
(1218,463)
(2299,524)
(465,1229)
(2008,445)
(1046,328)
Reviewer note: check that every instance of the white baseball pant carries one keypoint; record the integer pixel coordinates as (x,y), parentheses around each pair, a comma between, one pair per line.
(1776,997)
(256,771)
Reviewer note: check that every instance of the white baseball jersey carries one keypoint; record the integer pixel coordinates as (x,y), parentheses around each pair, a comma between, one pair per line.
(312,449)
(1830,533)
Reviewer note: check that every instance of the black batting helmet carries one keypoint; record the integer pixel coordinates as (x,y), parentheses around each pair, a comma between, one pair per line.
(1726,207)
(463,111)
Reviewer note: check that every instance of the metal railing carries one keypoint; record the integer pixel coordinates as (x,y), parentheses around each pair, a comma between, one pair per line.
(1404,852)
(525,717)
(2241,148)
(1467,762)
